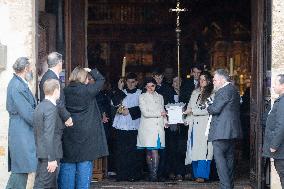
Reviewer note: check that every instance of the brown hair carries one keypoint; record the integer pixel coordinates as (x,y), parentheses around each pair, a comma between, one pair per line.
(78,75)
(50,85)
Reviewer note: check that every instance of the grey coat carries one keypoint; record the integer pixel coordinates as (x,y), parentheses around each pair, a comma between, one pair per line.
(274,131)
(225,111)
(48,129)
(21,143)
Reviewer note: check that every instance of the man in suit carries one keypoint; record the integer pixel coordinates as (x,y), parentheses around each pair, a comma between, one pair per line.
(54,62)
(48,131)
(225,126)
(20,105)
(188,85)
(273,146)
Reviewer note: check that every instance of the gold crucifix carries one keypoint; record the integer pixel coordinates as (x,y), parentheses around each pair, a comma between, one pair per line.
(178,10)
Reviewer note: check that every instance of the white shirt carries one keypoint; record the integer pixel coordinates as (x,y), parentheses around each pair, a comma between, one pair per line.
(225,84)
(51,100)
(195,82)
(55,73)
(122,122)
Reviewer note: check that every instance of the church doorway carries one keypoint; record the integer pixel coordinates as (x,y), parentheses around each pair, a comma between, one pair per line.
(217,34)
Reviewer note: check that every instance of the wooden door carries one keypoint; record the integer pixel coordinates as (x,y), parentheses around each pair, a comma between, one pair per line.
(75,34)
(261,27)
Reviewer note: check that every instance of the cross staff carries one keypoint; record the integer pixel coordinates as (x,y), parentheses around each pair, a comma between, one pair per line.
(178,10)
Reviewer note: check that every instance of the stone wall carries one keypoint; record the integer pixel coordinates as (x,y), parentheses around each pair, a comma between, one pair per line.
(277,61)
(17,32)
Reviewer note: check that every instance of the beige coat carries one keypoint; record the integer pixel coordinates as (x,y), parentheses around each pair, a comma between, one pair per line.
(198,147)
(151,122)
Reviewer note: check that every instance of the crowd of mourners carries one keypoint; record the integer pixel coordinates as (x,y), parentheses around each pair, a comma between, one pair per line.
(60,135)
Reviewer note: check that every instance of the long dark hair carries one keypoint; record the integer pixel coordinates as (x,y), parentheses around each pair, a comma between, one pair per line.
(206,93)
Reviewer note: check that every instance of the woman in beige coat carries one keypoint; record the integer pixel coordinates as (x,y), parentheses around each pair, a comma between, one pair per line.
(199,150)
(151,134)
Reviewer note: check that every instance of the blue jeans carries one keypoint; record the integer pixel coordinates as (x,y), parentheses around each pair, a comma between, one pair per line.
(75,175)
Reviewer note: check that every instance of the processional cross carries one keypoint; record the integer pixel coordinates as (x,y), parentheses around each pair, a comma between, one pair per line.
(178,10)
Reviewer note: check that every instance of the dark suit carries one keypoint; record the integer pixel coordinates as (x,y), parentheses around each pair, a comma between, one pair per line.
(225,128)
(48,131)
(186,88)
(64,114)
(167,92)
(274,136)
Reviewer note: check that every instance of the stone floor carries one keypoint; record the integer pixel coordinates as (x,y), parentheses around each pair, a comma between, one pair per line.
(239,184)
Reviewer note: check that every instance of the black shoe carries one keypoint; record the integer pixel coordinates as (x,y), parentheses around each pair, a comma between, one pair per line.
(131,180)
(162,179)
(134,179)
(121,179)
(179,178)
(188,177)
(154,179)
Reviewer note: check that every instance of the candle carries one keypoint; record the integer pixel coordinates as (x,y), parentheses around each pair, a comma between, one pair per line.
(123,67)
(231,67)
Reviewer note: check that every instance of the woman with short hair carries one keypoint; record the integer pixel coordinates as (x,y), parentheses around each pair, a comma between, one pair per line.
(85,141)
(151,134)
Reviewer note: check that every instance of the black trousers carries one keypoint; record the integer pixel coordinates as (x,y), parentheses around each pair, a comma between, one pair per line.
(128,159)
(175,150)
(224,157)
(44,179)
(279,166)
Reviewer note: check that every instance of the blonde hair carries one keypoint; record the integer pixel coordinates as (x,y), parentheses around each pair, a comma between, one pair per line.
(50,85)
(79,74)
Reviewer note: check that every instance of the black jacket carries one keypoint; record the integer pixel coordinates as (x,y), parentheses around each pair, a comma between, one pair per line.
(64,114)
(48,129)
(85,140)
(274,131)
(225,111)
(186,88)
(167,92)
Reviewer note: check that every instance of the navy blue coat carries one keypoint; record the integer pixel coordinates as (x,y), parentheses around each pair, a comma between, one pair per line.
(60,104)
(21,143)
(274,131)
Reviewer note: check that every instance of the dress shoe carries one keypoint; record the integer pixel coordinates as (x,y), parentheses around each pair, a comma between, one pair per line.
(179,178)
(188,177)
(172,176)
(162,179)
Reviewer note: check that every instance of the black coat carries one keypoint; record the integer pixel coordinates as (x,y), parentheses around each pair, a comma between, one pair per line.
(167,92)
(48,129)
(186,88)
(225,111)
(64,114)
(85,140)
(274,131)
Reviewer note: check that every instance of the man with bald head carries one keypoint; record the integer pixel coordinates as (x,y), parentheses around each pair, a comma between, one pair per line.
(54,62)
